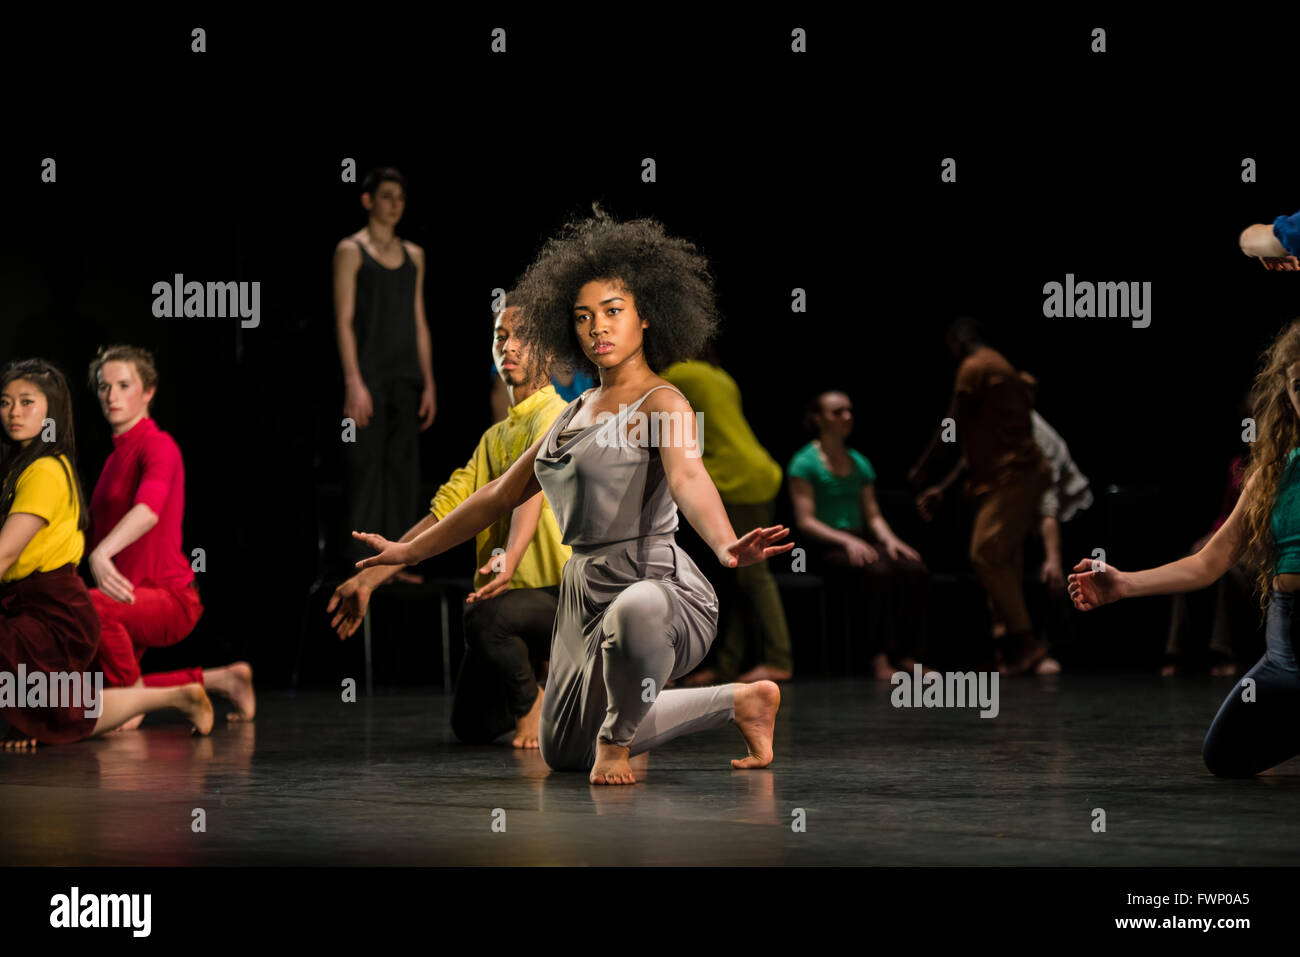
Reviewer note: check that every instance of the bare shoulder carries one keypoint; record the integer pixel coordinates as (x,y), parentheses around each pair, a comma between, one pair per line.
(414,251)
(347,249)
(666,400)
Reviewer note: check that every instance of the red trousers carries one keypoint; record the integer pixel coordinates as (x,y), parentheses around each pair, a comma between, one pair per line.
(159,617)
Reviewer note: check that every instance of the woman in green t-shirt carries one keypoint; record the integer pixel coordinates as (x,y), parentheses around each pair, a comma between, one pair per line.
(832,488)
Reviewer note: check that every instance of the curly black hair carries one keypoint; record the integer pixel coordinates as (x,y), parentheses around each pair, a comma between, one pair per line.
(669,280)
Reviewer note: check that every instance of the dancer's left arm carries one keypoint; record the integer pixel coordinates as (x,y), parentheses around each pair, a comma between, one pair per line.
(133,525)
(695,493)
(424,346)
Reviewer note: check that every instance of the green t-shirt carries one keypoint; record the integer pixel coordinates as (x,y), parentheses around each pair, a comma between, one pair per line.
(838,497)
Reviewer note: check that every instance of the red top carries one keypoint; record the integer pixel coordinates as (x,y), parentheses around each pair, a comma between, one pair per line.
(144,467)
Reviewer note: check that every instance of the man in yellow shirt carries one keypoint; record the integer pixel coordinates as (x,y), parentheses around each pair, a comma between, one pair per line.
(748,479)
(510,614)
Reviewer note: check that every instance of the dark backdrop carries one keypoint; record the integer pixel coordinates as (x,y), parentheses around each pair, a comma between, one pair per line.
(820,173)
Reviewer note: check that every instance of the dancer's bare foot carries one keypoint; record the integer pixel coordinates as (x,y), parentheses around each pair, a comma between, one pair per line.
(129,725)
(195,704)
(611,765)
(236,683)
(1168,670)
(881,667)
(696,679)
(526,727)
(909,664)
(1027,662)
(1224,669)
(765,673)
(17,741)
(756,706)
(1048,666)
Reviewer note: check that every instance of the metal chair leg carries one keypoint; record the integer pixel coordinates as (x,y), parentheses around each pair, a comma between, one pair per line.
(446,644)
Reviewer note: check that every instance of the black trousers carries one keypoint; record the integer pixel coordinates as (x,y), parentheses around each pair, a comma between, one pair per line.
(504,636)
(382,467)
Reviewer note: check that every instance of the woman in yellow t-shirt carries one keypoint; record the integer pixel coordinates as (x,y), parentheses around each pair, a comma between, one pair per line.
(49,631)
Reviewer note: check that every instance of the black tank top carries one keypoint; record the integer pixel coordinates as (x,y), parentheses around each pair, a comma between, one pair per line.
(384,321)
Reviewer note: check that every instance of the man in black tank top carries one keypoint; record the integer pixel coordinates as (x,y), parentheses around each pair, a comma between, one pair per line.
(387,358)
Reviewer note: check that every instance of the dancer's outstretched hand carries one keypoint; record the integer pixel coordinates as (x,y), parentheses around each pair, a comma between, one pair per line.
(1090,589)
(390,553)
(1281,263)
(755,547)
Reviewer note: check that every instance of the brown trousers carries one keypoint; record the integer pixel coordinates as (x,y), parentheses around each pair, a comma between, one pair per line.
(1003,517)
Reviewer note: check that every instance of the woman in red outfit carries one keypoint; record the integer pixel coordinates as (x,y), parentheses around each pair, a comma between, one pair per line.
(146,596)
(48,626)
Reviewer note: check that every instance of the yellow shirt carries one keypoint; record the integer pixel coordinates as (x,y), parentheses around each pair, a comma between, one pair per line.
(739,466)
(44,490)
(497,450)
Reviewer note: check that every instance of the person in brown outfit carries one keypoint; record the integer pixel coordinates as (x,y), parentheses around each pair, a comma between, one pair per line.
(1006,475)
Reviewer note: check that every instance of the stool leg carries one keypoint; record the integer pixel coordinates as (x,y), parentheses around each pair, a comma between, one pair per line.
(446,645)
(365,627)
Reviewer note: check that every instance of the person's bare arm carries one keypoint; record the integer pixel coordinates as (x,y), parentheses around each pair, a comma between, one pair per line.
(424,345)
(347,262)
(466,520)
(693,490)
(1259,240)
(523,525)
(138,520)
(16,534)
(804,502)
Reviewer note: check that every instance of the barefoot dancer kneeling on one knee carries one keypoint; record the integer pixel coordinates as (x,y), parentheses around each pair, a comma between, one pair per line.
(47,621)
(146,596)
(634,611)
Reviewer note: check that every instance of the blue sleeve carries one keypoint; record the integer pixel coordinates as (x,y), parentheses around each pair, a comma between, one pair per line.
(1287,231)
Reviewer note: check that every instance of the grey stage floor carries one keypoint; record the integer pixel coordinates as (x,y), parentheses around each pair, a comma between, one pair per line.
(316,781)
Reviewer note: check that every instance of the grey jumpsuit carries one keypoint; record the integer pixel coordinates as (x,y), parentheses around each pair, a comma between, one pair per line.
(634,611)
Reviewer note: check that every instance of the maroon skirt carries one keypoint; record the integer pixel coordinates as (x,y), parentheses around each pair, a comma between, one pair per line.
(48,623)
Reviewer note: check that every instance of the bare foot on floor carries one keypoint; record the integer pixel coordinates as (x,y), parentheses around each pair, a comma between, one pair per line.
(696,679)
(1224,669)
(756,706)
(611,765)
(17,741)
(526,727)
(1048,666)
(881,667)
(236,683)
(765,673)
(196,706)
(1168,670)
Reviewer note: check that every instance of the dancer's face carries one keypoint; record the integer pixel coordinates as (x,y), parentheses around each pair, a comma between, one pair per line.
(387,203)
(1293,386)
(23,408)
(510,353)
(837,415)
(122,396)
(606,323)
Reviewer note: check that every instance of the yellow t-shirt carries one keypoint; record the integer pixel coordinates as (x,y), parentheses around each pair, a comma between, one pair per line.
(497,450)
(739,466)
(44,490)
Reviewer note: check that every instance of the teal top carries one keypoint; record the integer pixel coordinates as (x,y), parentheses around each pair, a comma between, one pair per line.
(838,498)
(1286,519)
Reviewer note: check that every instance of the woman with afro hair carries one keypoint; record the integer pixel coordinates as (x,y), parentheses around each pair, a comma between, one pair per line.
(634,611)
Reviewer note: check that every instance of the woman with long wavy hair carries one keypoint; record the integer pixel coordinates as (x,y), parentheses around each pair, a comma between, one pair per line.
(1258,725)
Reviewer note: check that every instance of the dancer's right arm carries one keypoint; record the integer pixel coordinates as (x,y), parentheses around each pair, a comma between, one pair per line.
(16,534)
(1089,589)
(357,404)
(485,506)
